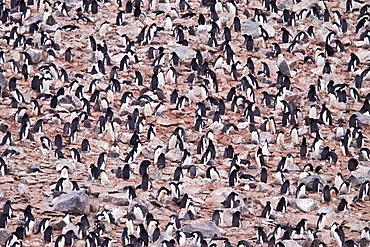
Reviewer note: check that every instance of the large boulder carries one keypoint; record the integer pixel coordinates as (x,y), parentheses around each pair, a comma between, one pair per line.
(76,202)
(304,204)
(207,228)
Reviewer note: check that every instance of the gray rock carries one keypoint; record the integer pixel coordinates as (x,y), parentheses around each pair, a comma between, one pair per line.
(4,235)
(174,155)
(98,145)
(250,27)
(304,204)
(309,180)
(76,202)
(3,81)
(285,5)
(116,198)
(62,163)
(208,228)
(95,56)
(70,102)
(269,29)
(328,210)
(284,68)
(147,153)
(185,53)
(36,55)
(291,243)
(22,187)
(364,119)
(34,19)
(262,187)
(293,167)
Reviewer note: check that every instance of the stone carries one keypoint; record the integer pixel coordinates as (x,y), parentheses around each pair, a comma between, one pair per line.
(3,81)
(262,187)
(284,68)
(269,29)
(147,153)
(36,55)
(98,145)
(250,27)
(291,243)
(304,204)
(285,5)
(174,155)
(117,198)
(364,119)
(4,235)
(22,187)
(62,163)
(185,53)
(328,210)
(208,228)
(76,202)
(309,180)
(70,102)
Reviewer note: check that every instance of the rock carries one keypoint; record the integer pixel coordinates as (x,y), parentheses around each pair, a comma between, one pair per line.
(116,198)
(95,56)
(70,102)
(293,167)
(28,180)
(250,27)
(76,202)
(98,145)
(170,122)
(328,210)
(34,19)
(285,5)
(62,163)
(3,81)
(4,235)
(208,228)
(269,29)
(22,187)
(174,155)
(36,55)
(185,53)
(262,187)
(309,180)
(147,153)
(364,119)
(291,243)
(266,136)
(304,204)
(284,68)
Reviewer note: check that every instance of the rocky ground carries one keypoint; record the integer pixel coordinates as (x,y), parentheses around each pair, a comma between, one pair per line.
(33,170)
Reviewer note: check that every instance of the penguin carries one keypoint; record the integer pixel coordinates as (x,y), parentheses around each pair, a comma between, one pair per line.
(263,175)
(301,226)
(4,220)
(321,222)
(301,191)
(68,54)
(282,205)
(352,164)
(266,212)
(236,219)
(212,173)
(338,234)
(326,195)
(261,236)
(285,188)
(364,191)
(48,234)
